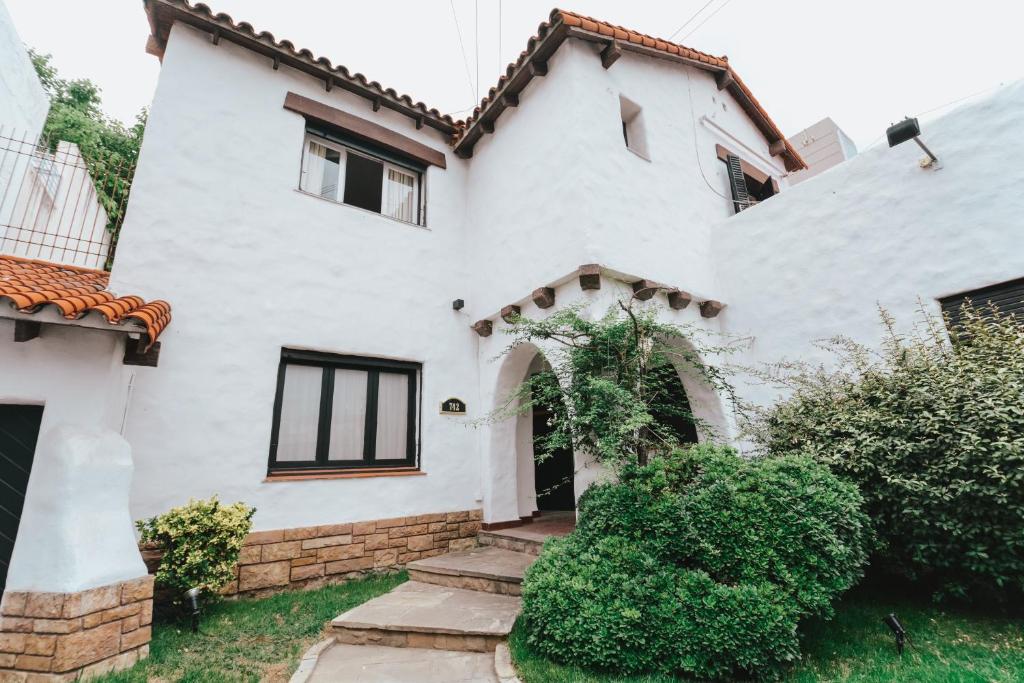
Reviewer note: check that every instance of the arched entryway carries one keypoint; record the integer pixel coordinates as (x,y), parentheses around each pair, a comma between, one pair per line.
(553,469)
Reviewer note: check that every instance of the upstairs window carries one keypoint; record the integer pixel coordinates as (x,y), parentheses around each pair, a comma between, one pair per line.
(634,134)
(356,176)
(748,184)
(343,412)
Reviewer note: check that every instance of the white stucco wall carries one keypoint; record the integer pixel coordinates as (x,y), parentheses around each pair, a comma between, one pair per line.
(216,226)
(878,229)
(73,532)
(23,102)
(555,186)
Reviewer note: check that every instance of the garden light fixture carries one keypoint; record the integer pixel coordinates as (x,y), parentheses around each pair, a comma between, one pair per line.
(193,597)
(897,631)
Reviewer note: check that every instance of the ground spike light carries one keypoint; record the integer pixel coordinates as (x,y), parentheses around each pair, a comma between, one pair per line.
(898,632)
(193,597)
(909,129)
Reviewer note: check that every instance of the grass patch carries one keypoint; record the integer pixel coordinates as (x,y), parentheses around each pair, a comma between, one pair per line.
(949,646)
(249,640)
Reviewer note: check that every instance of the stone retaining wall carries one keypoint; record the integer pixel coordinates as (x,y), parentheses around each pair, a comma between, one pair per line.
(295,558)
(67,636)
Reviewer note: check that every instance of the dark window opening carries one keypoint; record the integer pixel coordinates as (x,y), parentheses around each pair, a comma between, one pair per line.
(19,430)
(1006,297)
(343,412)
(748,185)
(363,182)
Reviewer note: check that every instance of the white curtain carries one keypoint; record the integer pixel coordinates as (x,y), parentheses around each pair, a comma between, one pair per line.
(392,416)
(400,196)
(313,168)
(348,419)
(300,414)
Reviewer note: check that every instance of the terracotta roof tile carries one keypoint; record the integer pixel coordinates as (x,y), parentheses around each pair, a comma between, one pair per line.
(29,285)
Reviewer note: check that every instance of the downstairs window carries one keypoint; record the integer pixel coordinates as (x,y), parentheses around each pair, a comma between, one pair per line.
(343,412)
(356,176)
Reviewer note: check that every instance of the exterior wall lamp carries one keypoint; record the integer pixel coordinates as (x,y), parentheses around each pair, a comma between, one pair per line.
(909,129)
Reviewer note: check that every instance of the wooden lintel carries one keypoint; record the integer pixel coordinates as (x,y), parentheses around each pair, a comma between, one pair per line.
(537,68)
(611,53)
(776,148)
(724,79)
(26,330)
(365,129)
(376,104)
(136,353)
(510,99)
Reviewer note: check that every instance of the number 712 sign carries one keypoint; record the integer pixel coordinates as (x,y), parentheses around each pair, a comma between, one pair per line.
(453,406)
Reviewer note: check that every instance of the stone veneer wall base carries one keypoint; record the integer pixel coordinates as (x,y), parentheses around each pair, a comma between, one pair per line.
(74,636)
(307,557)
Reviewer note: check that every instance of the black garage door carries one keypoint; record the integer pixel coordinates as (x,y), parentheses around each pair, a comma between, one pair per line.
(19,429)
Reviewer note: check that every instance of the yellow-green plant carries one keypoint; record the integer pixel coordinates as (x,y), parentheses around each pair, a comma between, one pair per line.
(201,543)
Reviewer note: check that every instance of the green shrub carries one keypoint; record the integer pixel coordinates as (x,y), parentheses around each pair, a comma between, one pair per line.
(933,434)
(701,563)
(201,542)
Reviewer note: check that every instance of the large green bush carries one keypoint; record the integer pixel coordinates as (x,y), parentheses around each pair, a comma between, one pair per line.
(201,542)
(933,434)
(701,563)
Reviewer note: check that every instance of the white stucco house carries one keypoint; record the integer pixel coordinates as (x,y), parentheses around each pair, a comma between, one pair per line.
(340,259)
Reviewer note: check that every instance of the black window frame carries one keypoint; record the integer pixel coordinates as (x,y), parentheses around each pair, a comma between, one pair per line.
(353,145)
(329,363)
(1007,297)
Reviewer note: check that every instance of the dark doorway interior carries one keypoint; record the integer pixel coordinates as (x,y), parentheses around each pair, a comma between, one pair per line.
(679,419)
(553,477)
(19,430)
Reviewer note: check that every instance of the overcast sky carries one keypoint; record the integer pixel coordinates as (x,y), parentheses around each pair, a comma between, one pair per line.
(865,64)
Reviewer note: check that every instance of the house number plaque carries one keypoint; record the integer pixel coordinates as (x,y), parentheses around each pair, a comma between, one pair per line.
(453,406)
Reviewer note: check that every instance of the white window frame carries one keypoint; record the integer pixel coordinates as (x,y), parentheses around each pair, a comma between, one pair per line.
(344,150)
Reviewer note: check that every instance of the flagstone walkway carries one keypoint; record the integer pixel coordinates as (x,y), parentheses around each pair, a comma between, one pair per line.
(448,623)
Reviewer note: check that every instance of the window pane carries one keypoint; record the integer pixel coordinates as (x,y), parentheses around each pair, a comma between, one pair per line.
(401,195)
(392,416)
(363,182)
(348,419)
(300,414)
(322,170)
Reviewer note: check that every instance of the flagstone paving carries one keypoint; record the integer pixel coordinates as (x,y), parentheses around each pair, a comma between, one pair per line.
(449,623)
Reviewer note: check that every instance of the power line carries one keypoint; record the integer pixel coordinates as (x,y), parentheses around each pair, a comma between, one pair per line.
(476,44)
(687,22)
(462,47)
(697,27)
(499,34)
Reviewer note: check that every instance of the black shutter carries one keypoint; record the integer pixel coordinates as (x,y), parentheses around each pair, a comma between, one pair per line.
(1008,297)
(738,183)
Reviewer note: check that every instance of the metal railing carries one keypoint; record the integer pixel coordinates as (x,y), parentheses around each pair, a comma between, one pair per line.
(56,205)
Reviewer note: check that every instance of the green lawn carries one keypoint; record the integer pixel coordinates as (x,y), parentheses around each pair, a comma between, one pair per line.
(249,640)
(949,647)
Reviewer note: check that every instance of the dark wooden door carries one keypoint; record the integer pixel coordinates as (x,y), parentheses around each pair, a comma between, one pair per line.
(19,429)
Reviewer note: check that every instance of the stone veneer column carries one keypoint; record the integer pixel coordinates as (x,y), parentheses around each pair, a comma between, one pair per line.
(68,636)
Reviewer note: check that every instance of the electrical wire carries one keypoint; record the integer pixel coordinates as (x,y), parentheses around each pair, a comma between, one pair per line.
(499,34)
(687,22)
(706,19)
(476,44)
(462,47)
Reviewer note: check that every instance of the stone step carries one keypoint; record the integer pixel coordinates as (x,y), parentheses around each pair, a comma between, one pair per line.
(492,570)
(341,663)
(504,541)
(424,615)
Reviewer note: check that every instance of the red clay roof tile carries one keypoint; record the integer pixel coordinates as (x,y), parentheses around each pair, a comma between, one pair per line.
(30,285)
